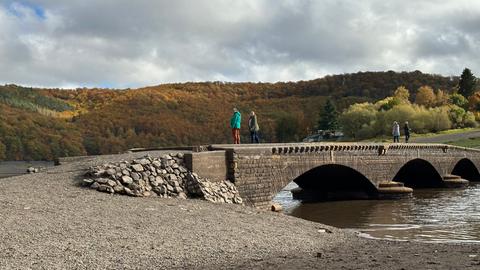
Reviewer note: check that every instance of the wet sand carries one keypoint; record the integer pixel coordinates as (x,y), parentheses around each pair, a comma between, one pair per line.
(48,222)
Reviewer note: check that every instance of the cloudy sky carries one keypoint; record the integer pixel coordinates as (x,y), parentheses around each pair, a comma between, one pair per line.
(127,43)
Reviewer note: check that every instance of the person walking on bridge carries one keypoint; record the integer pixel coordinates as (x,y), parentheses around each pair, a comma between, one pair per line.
(406,131)
(253,126)
(235,122)
(396,132)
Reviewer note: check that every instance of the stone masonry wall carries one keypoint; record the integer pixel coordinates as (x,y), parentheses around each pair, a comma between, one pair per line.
(211,164)
(261,172)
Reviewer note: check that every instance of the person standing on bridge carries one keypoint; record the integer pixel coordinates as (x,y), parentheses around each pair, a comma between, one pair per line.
(406,131)
(253,127)
(235,125)
(396,132)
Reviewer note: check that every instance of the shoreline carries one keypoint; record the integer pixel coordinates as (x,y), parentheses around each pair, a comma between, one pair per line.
(49,222)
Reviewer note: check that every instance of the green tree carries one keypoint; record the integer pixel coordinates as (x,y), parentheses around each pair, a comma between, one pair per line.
(328,117)
(358,120)
(466,85)
(286,128)
(440,119)
(459,100)
(400,114)
(456,115)
(469,120)
(387,103)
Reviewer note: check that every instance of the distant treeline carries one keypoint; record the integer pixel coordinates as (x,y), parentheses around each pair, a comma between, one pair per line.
(47,123)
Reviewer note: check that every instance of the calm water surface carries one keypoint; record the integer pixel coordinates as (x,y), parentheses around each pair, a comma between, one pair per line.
(12,168)
(432,215)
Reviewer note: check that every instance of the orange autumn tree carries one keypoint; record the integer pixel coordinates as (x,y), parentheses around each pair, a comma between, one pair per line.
(474,101)
(425,96)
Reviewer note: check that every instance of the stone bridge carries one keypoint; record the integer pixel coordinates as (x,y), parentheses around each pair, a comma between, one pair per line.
(336,170)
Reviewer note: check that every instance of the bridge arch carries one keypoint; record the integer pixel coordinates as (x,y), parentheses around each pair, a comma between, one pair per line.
(335,181)
(419,173)
(466,169)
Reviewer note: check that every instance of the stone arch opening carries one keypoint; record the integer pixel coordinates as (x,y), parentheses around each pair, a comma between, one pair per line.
(419,173)
(333,182)
(467,170)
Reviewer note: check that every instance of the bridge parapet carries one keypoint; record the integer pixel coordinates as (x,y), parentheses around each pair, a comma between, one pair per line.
(262,170)
(332,146)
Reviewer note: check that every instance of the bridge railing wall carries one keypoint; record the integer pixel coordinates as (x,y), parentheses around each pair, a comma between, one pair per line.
(261,171)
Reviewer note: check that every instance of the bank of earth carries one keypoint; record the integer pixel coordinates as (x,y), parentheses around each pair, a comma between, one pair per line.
(49,222)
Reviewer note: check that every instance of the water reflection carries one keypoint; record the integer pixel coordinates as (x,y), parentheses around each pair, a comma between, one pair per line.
(432,215)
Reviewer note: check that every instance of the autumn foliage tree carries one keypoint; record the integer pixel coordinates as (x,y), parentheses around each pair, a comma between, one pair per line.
(432,112)
(49,123)
(425,96)
(441,98)
(402,94)
(474,101)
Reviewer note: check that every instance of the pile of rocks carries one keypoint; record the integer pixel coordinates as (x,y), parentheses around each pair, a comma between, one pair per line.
(165,177)
(215,192)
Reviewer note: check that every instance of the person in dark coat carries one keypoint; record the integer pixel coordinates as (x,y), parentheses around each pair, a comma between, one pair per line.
(253,127)
(406,131)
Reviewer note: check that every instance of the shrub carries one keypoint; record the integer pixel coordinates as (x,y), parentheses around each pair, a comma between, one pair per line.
(387,103)
(459,100)
(400,113)
(363,120)
(469,120)
(456,115)
(358,119)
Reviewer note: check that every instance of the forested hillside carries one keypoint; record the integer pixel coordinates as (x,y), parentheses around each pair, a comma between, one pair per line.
(47,123)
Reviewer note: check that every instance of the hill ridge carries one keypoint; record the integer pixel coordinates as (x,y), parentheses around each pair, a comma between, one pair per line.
(100,121)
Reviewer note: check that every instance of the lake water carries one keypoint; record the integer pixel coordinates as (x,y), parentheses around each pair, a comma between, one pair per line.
(431,215)
(12,168)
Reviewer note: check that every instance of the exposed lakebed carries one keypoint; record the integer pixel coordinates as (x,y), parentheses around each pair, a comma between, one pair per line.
(431,215)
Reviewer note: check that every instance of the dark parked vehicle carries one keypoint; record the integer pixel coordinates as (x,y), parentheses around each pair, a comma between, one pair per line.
(324,135)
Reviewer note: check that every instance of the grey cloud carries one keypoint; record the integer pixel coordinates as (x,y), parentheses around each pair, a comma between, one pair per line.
(123,43)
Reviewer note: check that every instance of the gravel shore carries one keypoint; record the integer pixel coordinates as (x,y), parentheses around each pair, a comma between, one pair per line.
(47,221)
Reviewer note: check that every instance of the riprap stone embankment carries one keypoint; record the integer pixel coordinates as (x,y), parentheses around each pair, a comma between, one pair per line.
(165,177)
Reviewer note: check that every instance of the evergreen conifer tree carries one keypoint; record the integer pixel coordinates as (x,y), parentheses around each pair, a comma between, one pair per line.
(328,117)
(466,85)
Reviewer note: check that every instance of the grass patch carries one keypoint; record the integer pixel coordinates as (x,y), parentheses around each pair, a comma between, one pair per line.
(445,132)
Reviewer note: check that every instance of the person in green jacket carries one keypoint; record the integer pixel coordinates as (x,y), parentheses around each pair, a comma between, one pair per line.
(235,125)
